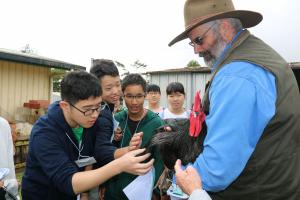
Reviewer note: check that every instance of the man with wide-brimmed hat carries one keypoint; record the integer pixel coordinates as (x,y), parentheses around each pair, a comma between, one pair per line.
(252,104)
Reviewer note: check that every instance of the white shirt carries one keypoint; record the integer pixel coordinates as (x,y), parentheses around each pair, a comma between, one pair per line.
(7,157)
(167,114)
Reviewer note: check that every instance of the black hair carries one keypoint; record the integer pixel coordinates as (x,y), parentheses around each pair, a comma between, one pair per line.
(175,87)
(176,143)
(102,67)
(153,88)
(133,79)
(79,85)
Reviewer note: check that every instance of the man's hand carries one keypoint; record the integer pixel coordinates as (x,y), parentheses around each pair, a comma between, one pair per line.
(136,141)
(1,184)
(188,180)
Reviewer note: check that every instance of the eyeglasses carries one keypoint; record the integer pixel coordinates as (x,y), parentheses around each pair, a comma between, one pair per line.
(199,40)
(89,112)
(137,97)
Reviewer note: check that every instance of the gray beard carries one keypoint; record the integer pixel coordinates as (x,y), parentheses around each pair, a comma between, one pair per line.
(215,52)
(210,63)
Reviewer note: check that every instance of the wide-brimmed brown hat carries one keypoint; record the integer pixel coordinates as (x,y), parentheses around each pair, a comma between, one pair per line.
(197,12)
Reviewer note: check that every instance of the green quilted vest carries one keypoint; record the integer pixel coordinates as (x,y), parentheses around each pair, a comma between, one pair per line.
(273,170)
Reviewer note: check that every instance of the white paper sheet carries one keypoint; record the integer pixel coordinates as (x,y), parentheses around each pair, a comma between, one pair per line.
(141,187)
(3,172)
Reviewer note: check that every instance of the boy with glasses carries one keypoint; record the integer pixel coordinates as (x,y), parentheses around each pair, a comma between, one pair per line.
(61,145)
(133,121)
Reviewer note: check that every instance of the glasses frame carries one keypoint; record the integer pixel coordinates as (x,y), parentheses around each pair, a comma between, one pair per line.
(199,40)
(98,110)
(132,97)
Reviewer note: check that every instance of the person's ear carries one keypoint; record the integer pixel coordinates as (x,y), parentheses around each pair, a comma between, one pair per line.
(64,105)
(226,30)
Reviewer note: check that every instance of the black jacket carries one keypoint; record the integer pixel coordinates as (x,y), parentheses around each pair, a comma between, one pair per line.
(104,149)
(50,162)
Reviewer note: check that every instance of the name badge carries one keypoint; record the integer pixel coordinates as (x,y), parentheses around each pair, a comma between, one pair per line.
(85,162)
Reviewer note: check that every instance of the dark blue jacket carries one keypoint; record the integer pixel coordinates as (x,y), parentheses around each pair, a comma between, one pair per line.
(50,161)
(104,149)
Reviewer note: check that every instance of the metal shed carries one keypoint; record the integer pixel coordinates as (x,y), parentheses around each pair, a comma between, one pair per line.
(24,77)
(193,79)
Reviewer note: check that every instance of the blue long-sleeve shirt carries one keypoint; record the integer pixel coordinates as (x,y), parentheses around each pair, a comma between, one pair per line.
(242,101)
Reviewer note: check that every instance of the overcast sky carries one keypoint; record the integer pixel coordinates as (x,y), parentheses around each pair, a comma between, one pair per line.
(127,30)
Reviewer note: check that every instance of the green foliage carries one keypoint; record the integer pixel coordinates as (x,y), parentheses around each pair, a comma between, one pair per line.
(122,69)
(140,68)
(193,64)
(139,65)
(57,75)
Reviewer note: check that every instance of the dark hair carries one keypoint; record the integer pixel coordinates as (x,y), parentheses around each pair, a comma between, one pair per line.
(175,87)
(79,85)
(177,143)
(153,88)
(133,79)
(102,67)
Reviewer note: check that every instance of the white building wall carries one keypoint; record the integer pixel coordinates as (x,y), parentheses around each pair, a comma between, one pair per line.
(20,83)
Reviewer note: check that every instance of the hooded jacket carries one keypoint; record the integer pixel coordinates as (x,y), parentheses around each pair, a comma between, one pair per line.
(104,148)
(50,162)
(147,125)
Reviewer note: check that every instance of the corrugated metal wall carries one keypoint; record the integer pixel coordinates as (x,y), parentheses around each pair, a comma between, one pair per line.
(192,81)
(20,83)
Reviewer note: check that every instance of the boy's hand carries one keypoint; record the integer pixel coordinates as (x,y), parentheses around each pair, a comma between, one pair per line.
(118,134)
(136,141)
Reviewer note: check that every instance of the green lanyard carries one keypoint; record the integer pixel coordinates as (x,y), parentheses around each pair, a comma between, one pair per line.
(78,133)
